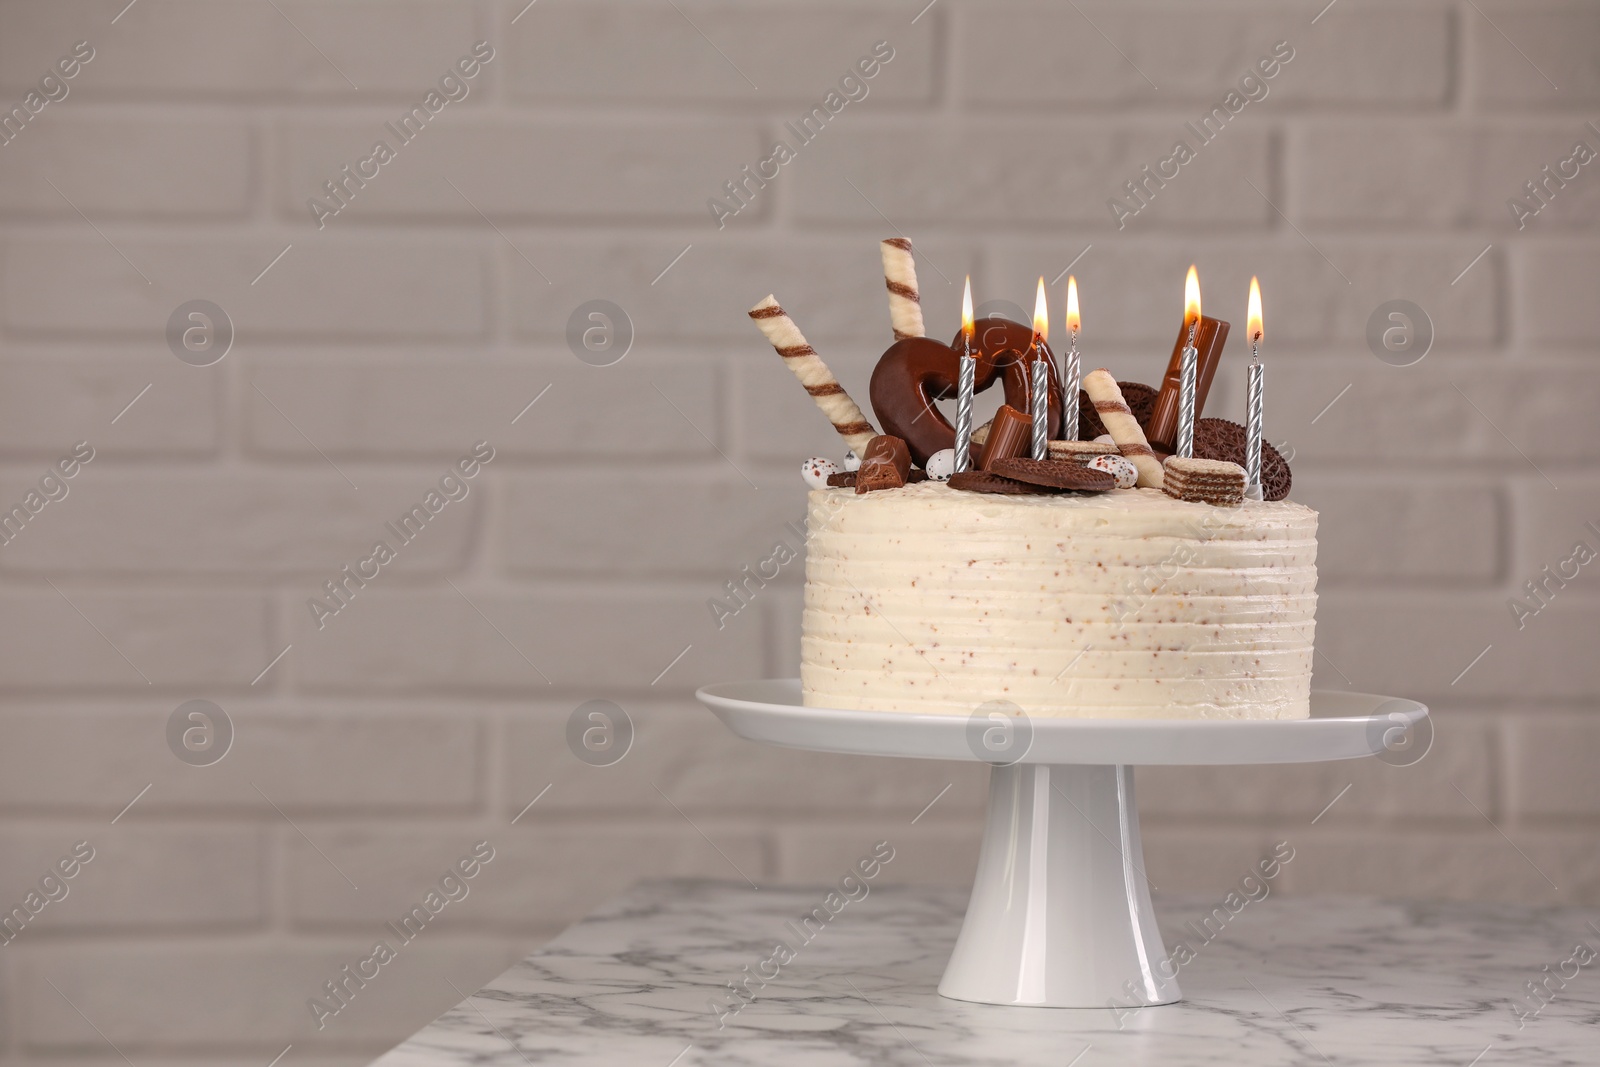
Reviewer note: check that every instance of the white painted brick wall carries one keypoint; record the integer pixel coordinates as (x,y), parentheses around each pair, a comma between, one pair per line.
(431,710)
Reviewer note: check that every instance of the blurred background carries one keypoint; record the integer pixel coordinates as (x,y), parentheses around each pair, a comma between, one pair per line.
(369,318)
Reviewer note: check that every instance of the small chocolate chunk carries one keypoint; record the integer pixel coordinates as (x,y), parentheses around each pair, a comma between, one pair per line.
(886,447)
(984,482)
(1010,434)
(886,464)
(847,479)
(1056,473)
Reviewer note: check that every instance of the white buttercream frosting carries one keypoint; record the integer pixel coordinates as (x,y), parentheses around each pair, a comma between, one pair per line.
(1128,604)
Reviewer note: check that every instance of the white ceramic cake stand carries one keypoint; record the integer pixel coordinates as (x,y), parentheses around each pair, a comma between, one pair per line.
(1060,912)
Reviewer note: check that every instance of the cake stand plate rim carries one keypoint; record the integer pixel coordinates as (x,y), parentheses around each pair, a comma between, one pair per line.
(769,711)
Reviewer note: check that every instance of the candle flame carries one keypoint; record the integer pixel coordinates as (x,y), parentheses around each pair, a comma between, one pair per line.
(1254,317)
(1191,297)
(968,327)
(1073,321)
(1041,315)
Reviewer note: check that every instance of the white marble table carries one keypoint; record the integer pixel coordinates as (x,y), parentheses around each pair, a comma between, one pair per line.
(1325,982)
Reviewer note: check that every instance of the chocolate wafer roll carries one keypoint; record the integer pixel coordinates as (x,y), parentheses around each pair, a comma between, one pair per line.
(814,374)
(900,277)
(1122,426)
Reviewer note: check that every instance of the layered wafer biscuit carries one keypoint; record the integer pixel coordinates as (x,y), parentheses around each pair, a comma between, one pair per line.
(814,374)
(1080,451)
(1122,426)
(1204,481)
(900,277)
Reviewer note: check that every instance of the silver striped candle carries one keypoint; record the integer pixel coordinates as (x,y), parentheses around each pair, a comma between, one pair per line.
(1040,395)
(1255,388)
(1184,445)
(964,391)
(1070,384)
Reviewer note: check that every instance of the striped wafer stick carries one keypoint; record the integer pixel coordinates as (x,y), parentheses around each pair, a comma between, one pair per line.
(1122,426)
(900,277)
(814,374)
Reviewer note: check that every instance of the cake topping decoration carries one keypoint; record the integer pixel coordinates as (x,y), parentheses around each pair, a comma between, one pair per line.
(847,479)
(1056,473)
(985,482)
(1142,424)
(1210,335)
(816,470)
(1204,481)
(1123,427)
(886,464)
(1225,440)
(900,278)
(1139,397)
(1126,474)
(941,465)
(1082,451)
(1071,370)
(1254,395)
(965,384)
(914,372)
(1040,390)
(1010,435)
(814,374)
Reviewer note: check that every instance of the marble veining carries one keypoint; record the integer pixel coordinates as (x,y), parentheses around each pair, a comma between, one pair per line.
(1329,982)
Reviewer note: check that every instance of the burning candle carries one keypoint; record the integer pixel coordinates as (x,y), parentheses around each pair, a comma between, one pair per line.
(1254,389)
(964,387)
(1184,446)
(1039,388)
(1072,372)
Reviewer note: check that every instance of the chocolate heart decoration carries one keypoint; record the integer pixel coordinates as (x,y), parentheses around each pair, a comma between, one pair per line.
(914,372)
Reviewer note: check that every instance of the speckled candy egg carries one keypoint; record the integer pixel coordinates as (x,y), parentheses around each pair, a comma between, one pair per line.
(941,465)
(816,470)
(1119,467)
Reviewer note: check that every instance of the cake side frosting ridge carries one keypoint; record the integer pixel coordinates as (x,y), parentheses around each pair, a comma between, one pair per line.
(1128,604)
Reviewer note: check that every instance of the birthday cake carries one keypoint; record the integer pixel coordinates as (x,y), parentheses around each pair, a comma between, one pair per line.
(1129,559)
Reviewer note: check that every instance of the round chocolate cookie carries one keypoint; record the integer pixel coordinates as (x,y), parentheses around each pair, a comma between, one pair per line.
(985,482)
(1056,473)
(1141,401)
(1224,440)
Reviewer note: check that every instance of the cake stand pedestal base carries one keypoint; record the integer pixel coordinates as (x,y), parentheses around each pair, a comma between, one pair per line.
(1060,911)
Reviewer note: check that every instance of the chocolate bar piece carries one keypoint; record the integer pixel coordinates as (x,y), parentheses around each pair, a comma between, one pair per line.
(886,464)
(1162,430)
(1010,434)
